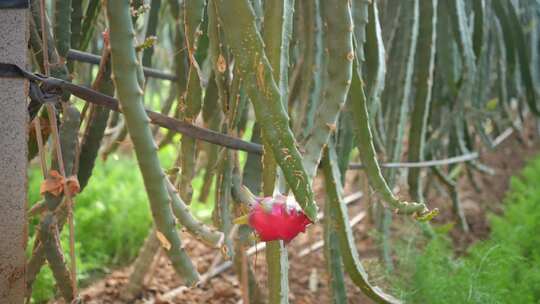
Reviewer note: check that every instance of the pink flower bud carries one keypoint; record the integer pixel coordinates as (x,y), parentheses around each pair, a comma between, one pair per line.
(274,219)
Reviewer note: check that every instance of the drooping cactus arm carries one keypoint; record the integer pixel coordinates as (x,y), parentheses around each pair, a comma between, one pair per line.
(125,76)
(367,153)
(351,260)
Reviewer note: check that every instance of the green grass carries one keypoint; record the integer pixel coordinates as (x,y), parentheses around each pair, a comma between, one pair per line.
(112,218)
(503,269)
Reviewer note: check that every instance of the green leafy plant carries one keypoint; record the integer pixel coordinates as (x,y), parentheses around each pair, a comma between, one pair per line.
(498,270)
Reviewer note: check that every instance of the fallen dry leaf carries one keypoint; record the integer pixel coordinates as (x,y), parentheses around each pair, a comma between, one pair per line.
(163,240)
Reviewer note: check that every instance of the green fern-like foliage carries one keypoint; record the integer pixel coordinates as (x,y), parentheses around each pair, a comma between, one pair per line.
(503,269)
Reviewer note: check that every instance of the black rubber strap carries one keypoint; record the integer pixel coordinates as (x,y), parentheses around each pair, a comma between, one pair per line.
(5,4)
(50,86)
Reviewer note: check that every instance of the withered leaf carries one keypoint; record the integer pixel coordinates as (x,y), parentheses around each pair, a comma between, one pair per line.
(163,240)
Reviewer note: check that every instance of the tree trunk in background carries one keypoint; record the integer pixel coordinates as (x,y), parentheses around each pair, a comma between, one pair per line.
(13,162)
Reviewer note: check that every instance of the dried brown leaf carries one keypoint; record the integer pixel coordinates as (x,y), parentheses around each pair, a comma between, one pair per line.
(163,240)
(54,184)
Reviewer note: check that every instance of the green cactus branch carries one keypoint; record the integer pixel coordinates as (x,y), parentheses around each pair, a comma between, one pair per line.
(199,230)
(368,155)
(217,54)
(333,254)
(425,64)
(397,94)
(125,68)
(375,66)
(97,122)
(277,28)
(191,100)
(222,214)
(49,236)
(151,30)
(88,26)
(68,141)
(515,42)
(339,54)
(62,27)
(242,37)
(310,86)
(351,260)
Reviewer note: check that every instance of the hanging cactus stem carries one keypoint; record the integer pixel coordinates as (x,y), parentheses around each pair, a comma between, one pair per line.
(125,77)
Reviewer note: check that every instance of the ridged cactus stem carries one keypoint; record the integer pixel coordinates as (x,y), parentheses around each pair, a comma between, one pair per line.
(277,28)
(217,54)
(515,40)
(339,54)
(68,141)
(57,68)
(125,76)
(425,64)
(76,22)
(222,210)
(277,31)
(241,33)
(369,157)
(49,235)
(192,97)
(97,123)
(62,27)
(252,176)
(277,265)
(199,230)
(351,260)
(151,30)
(88,25)
(375,62)
(400,78)
(212,116)
(332,255)
(479,33)
(310,86)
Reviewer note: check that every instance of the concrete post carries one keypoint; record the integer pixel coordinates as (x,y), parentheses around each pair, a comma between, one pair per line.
(13,154)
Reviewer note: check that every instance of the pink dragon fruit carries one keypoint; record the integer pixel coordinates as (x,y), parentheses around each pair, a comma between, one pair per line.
(273,218)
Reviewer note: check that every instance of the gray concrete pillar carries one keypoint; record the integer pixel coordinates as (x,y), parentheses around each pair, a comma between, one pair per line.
(13,154)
